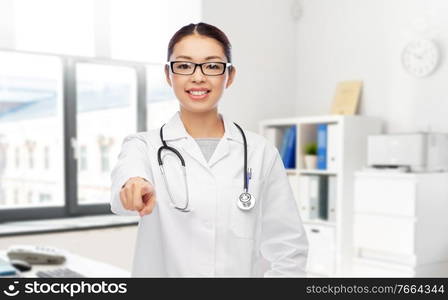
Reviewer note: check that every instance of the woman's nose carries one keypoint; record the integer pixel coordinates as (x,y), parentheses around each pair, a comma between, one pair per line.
(197,76)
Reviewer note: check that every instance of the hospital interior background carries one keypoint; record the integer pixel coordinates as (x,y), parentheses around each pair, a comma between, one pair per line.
(70,92)
(31,139)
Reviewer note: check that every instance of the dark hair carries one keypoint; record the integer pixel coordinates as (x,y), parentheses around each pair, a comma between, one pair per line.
(205,30)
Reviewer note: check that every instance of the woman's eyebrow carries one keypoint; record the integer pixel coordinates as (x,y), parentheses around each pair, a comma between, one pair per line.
(207,58)
(183,56)
(213,57)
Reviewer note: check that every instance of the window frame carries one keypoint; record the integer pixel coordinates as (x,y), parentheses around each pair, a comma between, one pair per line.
(71,206)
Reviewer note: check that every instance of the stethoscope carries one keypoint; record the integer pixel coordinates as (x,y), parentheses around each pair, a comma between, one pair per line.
(245,201)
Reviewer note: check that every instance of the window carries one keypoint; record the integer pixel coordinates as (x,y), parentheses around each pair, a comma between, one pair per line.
(161,101)
(51,103)
(46,158)
(106,98)
(16,196)
(104,159)
(17,160)
(2,196)
(105,145)
(45,198)
(33,104)
(30,146)
(30,117)
(30,197)
(83,158)
(3,156)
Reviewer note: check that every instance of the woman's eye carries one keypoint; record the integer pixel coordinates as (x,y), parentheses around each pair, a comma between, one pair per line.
(184,66)
(213,66)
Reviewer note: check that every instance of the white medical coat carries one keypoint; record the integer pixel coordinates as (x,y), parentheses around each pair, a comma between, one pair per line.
(216,238)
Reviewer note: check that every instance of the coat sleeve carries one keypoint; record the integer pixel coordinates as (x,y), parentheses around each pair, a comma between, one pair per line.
(133,161)
(283,239)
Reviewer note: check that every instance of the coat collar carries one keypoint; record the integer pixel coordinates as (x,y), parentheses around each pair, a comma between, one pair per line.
(175,130)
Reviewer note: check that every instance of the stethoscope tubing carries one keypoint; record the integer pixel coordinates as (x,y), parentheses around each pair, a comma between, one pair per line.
(245,158)
(177,153)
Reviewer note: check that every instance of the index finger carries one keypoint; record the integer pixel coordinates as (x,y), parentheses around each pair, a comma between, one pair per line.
(137,195)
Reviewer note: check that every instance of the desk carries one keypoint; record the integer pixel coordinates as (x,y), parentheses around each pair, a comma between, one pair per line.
(83,265)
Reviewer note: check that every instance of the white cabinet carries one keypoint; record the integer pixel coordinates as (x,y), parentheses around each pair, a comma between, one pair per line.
(363,267)
(378,234)
(384,195)
(400,224)
(330,237)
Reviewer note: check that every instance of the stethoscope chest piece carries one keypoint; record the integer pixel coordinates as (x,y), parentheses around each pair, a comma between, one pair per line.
(245,201)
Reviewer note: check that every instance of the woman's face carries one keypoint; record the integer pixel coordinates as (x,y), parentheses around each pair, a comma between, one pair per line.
(189,89)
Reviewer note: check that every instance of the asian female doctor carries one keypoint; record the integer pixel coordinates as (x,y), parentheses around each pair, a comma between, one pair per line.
(214,199)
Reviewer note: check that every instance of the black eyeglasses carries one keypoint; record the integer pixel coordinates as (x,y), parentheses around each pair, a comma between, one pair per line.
(208,68)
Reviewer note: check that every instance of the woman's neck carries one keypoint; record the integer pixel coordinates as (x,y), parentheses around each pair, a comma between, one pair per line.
(203,125)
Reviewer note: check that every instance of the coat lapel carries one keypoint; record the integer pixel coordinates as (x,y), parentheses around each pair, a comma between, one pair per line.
(175,134)
(231,134)
(190,146)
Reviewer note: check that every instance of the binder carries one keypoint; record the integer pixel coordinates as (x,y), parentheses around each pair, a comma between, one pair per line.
(323,197)
(332,146)
(307,196)
(316,199)
(313,196)
(322,146)
(291,148)
(288,151)
(332,198)
(284,146)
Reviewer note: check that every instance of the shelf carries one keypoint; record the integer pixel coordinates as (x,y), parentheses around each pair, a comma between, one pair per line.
(316,172)
(304,120)
(332,245)
(319,222)
(310,172)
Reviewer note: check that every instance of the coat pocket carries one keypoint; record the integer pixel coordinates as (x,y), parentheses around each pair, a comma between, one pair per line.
(244,222)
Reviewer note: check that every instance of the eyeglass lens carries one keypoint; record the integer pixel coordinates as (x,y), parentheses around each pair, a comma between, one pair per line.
(187,68)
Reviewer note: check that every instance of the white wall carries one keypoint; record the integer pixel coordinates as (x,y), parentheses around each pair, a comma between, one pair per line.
(353,39)
(262,34)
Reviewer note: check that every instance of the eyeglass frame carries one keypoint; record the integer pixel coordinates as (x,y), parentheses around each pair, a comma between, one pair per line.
(171,63)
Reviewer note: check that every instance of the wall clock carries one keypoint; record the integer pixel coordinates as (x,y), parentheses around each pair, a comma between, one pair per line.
(420,57)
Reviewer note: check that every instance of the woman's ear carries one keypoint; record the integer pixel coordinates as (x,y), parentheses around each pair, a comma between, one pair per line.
(167,75)
(231,76)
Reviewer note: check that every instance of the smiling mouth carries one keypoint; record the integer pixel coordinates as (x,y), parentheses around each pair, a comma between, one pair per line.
(198,93)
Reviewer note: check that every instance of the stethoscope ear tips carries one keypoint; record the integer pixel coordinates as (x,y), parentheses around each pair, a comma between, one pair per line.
(246,201)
